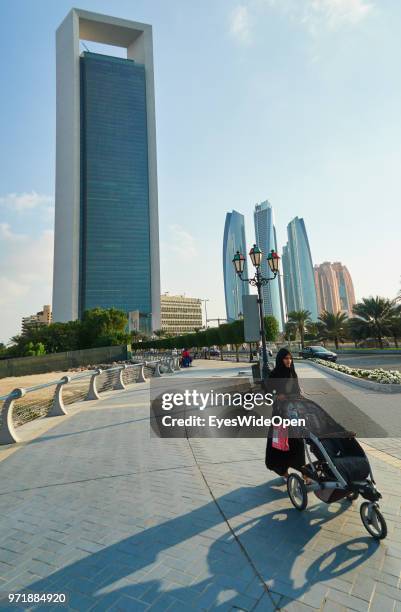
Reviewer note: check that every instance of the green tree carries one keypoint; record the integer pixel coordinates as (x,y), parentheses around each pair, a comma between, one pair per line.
(237,335)
(213,338)
(300,318)
(34,349)
(103,327)
(160,333)
(333,326)
(395,323)
(355,330)
(290,331)
(271,328)
(375,315)
(312,331)
(232,333)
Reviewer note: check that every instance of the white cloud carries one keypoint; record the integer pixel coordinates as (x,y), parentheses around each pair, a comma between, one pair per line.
(26,269)
(11,289)
(312,14)
(6,233)
(240,27)
(339,12)
(181,242)
(179,265)
(26,201)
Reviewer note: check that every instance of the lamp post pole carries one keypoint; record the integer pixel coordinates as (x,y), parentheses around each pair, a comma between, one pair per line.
(265,361)
(259,281)
(206,319)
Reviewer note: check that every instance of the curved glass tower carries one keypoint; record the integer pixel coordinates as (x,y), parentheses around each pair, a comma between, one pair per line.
(289,297)
(265,233)
(298,270)
(233,241)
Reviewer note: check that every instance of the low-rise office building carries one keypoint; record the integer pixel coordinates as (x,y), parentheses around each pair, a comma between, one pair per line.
(180,314)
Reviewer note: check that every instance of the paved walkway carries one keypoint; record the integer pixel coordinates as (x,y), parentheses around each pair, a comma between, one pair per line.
(97,509)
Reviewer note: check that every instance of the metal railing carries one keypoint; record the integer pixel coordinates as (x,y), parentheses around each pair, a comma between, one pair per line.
(50,399)
(243,356)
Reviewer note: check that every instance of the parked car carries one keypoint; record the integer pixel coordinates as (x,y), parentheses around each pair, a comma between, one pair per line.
(214,353)
(317,352)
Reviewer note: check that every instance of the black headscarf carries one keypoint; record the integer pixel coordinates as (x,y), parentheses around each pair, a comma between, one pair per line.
(281,371)
(283,380)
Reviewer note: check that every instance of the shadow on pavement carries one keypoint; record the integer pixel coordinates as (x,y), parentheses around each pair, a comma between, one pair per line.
(147,567)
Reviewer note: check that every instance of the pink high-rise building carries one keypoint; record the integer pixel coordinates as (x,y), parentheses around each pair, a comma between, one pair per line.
(334,288)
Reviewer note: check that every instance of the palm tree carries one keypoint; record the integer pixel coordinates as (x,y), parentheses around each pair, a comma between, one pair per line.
(375,315)
(333,326)
(395,323)
(312,331)
(355,330)
(160,333)
(300,318)
(290,331)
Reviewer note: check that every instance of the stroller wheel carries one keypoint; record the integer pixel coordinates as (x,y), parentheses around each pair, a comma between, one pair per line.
(373,520)
(297,491)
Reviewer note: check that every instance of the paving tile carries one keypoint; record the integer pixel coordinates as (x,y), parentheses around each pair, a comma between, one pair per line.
(353,603)
(381,602)
(138,525)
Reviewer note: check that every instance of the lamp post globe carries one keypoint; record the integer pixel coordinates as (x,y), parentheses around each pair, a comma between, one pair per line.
(256,256)
(274,261)
(239,262)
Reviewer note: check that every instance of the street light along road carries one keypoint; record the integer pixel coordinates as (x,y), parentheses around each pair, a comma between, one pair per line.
(259,281)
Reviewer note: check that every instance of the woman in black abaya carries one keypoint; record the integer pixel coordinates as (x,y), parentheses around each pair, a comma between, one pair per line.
(283,380)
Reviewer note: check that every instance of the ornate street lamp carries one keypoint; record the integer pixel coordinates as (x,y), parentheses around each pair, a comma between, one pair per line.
(274,262)
(256,256)
(239,262)
(259,281)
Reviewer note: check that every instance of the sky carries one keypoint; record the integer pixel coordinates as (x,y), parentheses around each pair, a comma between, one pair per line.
(294,101)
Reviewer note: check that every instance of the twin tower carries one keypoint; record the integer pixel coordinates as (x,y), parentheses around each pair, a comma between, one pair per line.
(106,249)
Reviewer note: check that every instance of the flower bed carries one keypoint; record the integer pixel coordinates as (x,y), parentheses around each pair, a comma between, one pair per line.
(386,377)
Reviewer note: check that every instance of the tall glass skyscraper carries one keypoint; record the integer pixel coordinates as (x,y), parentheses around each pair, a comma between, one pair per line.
(233,241)
(299,281)
(266,239)
(285,265)
(106,226)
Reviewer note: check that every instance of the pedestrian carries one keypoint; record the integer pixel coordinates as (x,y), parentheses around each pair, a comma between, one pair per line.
(283,452)
(186,358)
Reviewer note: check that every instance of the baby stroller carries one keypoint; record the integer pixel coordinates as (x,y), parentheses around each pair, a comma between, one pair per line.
(336,464)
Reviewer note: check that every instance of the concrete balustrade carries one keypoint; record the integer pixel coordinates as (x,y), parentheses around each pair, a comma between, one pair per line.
(170,366)
(141,377)
(8,433)
(156,368)
(57,408)
(93,393)
(119,385)
(156,371)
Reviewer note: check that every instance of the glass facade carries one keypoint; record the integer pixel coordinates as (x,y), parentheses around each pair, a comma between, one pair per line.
(298,270)
(234,287)
(265,233)
(288,292)
(114,240)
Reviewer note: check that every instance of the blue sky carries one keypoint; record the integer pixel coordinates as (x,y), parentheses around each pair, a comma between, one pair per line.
(295,101)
